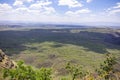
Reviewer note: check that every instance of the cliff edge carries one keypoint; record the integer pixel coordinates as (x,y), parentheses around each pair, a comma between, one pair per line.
(6,62)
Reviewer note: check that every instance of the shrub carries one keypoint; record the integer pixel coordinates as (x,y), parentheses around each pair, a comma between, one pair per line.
(23,72)
(106,69)
(76,71)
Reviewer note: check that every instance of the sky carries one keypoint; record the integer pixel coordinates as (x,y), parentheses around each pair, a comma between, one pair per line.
(60,11)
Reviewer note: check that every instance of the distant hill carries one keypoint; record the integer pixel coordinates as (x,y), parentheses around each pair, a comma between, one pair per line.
(61,25)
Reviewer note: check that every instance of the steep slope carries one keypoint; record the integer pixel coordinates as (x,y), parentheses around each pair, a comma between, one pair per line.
(5,61)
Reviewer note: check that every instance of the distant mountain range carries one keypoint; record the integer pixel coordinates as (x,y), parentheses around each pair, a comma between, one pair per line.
(64,25)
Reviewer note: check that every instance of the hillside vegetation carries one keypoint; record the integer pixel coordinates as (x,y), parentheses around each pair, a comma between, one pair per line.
(21,71)
(54,48)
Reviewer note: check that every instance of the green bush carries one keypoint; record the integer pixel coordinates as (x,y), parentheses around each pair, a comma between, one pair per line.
(23,72)
(106,69)
(76,71)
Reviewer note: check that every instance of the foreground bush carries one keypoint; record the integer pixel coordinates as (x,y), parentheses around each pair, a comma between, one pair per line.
(76,71)
(23,72)
(106,70)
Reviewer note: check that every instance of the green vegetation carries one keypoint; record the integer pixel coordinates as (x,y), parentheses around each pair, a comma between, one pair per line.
(76,71)
(53,48)
(107,69)
(23,72)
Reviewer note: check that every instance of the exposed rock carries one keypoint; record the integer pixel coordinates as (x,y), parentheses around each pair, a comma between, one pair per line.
(6,62)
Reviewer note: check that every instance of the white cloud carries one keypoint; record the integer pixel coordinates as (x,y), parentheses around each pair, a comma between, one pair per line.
(35,6)
(18,3)
(49,10)
(114,10)
(36,11)
(29,0)
(40,4)
(78,12)
(21,2)
(5,8)
(43,7)
(118,5)
(88,1)
(70,3)
(22,10)
(42,11)
(83,11)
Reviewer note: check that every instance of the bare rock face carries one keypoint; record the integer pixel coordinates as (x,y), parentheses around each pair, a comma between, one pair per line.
(1,55)
(6,62)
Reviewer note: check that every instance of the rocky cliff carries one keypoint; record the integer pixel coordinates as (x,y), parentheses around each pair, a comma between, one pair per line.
(6,62)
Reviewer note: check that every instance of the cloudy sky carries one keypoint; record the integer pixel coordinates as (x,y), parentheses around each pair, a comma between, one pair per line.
(60,11)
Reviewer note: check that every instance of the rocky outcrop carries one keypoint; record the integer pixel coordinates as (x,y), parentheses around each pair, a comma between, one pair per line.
(6,62)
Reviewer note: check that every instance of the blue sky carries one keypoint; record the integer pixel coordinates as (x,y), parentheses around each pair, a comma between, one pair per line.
(60,11)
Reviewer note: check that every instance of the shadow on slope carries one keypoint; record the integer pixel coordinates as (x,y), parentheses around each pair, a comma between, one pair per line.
(91,41)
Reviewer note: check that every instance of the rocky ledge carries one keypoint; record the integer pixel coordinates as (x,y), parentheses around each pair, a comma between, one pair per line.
(6,62)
